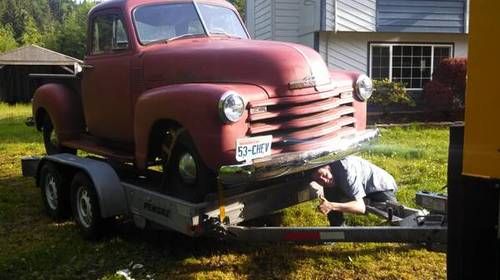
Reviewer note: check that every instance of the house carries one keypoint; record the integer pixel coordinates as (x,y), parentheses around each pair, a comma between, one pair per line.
(16,65)
(403,40)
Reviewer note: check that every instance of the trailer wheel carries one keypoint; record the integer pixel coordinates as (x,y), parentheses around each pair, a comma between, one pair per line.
(50,140)
(85,205)
(55,192)
(185,176)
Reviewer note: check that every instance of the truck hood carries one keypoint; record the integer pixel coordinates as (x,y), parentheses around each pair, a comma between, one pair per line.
(270,65)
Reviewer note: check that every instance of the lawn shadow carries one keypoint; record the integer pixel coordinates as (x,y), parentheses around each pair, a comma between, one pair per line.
(255,260)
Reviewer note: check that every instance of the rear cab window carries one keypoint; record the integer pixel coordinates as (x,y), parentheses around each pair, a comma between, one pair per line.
(108,34)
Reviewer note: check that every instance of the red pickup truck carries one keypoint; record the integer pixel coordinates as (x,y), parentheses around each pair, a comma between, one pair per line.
(180,84)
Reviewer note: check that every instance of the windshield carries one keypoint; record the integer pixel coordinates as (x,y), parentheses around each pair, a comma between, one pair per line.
(220,20)
(163,22)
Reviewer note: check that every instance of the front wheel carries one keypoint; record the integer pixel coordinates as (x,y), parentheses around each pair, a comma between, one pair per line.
(85,205)
(51,141)
(185,175)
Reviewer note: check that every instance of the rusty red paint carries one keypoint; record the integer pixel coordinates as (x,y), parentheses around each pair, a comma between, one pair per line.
(128,92)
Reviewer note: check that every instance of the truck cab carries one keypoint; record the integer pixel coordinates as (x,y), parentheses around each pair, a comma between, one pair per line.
(181,85)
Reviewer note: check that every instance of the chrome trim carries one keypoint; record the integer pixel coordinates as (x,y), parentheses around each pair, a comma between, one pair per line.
(357,88)
(220,106)
(187,168)
(201,18)
(294,162)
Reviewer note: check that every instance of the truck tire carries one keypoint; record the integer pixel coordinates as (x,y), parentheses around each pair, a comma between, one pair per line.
(185,175)
(50,141)
(55,192)
(85,206)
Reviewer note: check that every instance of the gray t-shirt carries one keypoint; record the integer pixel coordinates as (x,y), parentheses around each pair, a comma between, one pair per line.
(358,177)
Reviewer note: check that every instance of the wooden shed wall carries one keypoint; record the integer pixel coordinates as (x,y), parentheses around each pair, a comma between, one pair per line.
(15,84)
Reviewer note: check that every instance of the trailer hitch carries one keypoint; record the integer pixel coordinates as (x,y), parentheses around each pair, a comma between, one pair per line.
(212,226)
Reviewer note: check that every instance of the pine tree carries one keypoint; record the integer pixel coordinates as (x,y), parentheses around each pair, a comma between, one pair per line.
(31,33)
(7,40)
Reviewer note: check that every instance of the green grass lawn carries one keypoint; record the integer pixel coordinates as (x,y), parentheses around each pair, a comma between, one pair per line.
(34,247)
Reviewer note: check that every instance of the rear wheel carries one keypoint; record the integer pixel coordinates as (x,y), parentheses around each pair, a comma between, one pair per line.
(51,141)
(85,205)
(55,192)
(185,176)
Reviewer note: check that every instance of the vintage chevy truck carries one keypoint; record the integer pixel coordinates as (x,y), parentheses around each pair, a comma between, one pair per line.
(180,84)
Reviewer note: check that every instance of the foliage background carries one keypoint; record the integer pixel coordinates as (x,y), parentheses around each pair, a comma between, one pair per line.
(59,25)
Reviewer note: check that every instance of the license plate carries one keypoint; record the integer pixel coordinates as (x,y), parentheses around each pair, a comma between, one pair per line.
(253,147)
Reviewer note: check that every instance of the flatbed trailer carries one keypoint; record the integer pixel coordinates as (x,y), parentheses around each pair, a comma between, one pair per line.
(121,192)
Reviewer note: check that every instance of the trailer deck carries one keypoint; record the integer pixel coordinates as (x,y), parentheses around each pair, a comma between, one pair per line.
(122,192)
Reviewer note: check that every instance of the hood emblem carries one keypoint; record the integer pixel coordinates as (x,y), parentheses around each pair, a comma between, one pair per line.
(309,81)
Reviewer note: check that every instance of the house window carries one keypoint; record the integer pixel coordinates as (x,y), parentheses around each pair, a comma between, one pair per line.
(410,64)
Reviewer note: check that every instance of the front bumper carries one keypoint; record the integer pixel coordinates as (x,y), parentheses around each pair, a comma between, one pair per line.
(290,163)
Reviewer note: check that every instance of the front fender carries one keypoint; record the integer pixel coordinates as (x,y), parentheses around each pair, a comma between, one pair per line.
(64,108)
(194,107)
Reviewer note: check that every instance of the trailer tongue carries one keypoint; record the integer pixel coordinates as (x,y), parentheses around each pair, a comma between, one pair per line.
(424,235)
(407,226)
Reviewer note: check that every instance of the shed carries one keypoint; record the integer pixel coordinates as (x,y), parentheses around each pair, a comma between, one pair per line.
(17,64)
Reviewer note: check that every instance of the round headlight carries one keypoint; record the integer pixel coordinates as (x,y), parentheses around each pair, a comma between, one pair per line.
(231,106)
(364,87)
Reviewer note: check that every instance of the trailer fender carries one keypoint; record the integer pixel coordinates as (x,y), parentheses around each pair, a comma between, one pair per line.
(110,192)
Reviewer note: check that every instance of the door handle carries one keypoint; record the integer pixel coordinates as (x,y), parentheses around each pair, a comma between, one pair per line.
(87,66)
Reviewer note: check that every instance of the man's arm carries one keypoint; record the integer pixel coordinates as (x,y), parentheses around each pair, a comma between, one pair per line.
(354,207)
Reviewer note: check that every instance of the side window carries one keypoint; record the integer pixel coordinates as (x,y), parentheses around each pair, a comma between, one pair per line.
(108,34)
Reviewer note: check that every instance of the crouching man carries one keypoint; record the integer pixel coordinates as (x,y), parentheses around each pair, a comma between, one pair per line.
(347,182)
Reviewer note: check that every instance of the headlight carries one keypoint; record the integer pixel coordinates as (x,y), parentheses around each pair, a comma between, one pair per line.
(364,87)
(231,107)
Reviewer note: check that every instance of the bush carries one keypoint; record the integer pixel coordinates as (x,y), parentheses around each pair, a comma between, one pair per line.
(390,93)
(446,92)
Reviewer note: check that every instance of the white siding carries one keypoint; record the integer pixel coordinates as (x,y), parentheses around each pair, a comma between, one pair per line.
(287,20)
(263,14)
(349,50)
(351,15)
(283,20)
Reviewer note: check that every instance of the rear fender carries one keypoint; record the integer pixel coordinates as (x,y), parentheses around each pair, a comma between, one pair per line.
(195,108)
(63,106)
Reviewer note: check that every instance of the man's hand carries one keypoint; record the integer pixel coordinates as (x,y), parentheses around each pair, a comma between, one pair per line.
(354,207)
(325,206)
(317,188)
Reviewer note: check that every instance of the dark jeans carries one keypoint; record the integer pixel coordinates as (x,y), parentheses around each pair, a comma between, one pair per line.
(337,195)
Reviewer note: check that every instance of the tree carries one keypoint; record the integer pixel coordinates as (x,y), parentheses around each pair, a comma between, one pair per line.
(240,5)
(61,8)
(7,40)
(70,36)
(31,33)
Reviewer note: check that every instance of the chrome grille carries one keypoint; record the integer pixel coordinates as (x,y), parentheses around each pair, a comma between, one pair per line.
(304,122)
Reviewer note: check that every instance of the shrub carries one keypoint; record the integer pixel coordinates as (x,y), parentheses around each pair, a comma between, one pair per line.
(446,91)
(390,93)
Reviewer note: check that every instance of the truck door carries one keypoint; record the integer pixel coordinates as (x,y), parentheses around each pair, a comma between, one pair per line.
(106,92)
